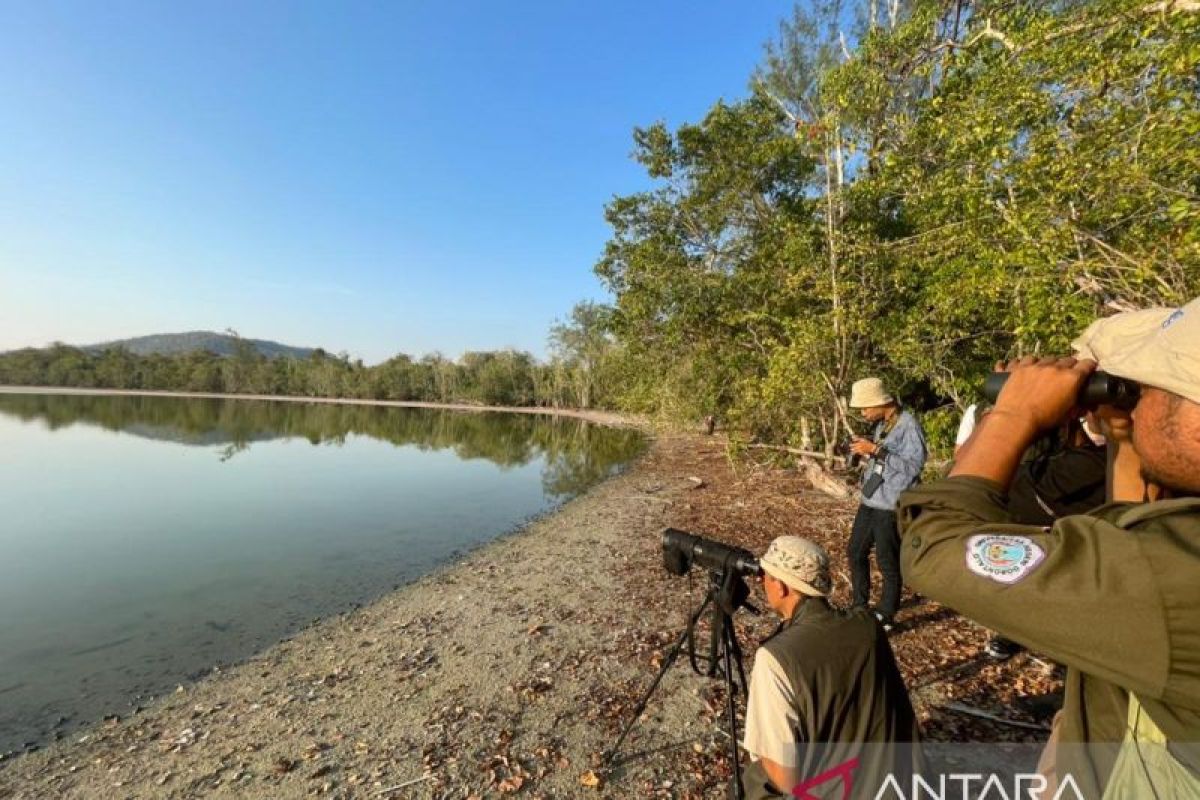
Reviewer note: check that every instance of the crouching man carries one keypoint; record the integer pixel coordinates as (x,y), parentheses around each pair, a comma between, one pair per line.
(828,709)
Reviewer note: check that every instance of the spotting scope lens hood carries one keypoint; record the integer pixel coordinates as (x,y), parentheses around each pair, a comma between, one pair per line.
(682,550)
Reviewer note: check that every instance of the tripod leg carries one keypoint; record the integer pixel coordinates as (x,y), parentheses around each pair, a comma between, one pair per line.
(667,662)
(740,661)
(716,639)
(729,638)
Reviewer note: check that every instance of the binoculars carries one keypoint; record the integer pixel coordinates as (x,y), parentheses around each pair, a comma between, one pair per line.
(1101,389)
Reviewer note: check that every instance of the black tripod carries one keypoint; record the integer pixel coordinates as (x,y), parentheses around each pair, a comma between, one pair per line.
(727,592)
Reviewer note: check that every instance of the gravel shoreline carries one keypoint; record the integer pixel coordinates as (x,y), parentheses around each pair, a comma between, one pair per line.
(512,670)
(475,680)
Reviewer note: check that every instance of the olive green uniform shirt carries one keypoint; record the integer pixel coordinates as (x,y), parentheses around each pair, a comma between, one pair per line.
(1114,595)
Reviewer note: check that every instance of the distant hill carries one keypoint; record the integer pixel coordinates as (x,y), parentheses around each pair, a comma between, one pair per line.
(223,344)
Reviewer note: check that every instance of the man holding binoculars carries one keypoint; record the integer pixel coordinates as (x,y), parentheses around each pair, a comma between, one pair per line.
(1113,594)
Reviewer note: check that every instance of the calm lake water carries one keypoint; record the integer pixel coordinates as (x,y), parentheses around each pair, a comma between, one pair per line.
(147,539)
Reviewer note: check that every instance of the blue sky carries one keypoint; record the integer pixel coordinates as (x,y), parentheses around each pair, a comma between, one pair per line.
(375,177)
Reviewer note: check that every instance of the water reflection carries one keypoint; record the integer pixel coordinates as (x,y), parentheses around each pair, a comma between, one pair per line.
(147,539)
(576,453)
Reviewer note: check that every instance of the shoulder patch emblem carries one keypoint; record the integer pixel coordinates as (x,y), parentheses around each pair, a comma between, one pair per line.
(1004,559)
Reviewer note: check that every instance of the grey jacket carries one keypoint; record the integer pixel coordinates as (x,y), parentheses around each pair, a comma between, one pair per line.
(902,463)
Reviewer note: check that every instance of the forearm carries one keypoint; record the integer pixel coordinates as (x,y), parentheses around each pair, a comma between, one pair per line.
(783,778)
(1038,396)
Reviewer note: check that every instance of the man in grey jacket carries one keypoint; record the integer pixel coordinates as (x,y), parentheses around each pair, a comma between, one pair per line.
(895,455)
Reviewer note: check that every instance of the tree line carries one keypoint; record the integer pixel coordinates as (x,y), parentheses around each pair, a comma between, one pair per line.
(502,377)
(911,189)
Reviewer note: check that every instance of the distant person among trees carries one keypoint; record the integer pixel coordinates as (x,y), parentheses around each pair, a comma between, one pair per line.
(895,453)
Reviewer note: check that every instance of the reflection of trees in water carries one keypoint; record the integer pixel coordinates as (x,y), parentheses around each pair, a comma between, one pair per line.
(577,454)
(592,453)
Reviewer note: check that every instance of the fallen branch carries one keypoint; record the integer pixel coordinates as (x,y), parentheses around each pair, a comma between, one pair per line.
(975,712)
(822,481)
(798,452)
(817,475)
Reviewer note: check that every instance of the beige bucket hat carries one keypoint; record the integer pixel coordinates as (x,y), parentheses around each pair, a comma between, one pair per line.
(1156,347)
(800,563)
(869,392)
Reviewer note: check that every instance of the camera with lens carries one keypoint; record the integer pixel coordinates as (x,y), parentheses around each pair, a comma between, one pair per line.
(842,449)
(728,567)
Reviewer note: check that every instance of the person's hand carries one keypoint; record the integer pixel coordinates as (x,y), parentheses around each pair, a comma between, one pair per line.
(1125,481)
(1115,423)
(863,447)
(1042,392)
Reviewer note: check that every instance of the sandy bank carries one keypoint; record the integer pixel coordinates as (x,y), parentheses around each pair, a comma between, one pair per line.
(489,671)
(510,671)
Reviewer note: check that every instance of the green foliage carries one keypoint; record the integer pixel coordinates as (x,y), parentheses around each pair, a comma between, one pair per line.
(584,350)
(914,198)
(698,265)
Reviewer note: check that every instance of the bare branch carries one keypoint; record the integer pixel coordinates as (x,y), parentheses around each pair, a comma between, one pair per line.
(988,32)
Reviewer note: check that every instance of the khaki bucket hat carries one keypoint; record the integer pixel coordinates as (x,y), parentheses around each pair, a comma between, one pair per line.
(800,563)
(1157,347)
(869,392)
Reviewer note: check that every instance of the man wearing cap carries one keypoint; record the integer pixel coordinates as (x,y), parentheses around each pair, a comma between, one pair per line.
(895,455)
(1113,594)
(827,702)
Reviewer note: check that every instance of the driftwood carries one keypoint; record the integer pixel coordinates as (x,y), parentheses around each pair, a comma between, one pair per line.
(816,474)
(821,480)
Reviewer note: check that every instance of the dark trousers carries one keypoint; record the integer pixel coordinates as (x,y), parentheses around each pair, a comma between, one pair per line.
(873,527)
